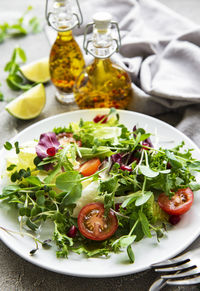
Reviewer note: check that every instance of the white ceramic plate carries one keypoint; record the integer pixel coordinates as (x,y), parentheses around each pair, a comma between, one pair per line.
(147,251)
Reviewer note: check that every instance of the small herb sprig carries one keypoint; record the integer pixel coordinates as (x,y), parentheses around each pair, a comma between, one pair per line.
(19,29)
(15,80)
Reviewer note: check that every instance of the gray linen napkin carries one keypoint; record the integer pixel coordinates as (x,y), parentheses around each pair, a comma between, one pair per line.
(160,49)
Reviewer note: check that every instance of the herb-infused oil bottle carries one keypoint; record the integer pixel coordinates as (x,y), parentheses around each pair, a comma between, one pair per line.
(103,83)
(66,60)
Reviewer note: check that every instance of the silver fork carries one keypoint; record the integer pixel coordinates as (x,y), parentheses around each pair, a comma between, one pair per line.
(181,270)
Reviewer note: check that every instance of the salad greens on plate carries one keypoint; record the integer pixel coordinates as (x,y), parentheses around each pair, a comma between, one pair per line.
(102,186)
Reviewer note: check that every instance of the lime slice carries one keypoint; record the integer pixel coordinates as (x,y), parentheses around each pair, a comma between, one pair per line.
(37,71)
(28,105)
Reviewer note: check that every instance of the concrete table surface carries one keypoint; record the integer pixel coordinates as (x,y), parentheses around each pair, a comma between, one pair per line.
(15,273)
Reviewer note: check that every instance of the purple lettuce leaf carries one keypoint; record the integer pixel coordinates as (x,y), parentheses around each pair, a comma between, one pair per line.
(47,140)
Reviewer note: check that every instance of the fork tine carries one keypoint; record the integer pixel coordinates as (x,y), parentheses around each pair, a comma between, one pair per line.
(179,259)
(176,268)
(195,271)
(189,281)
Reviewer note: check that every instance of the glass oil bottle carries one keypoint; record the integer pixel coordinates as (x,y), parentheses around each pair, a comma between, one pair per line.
(66,60)
(103,83)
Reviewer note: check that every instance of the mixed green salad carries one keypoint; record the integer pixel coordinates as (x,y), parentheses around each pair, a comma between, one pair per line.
(102,186)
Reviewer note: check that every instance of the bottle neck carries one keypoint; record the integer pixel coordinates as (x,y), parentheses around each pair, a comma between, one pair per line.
(102,42)
(65,35)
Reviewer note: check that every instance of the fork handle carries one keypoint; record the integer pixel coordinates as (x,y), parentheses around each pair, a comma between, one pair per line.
(158,285)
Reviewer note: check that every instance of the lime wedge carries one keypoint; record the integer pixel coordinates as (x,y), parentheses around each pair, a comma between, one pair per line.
(37,71)
(28,105)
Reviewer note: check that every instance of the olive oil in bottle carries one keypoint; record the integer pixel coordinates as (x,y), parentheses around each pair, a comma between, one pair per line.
(103,83)
(66,60)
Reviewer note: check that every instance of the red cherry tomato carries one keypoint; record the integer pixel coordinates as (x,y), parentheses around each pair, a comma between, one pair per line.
(94,225)
(178,204)
(90,167)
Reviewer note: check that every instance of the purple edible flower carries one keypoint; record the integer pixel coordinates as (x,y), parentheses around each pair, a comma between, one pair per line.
(147,142)
(47,140)
(116,158)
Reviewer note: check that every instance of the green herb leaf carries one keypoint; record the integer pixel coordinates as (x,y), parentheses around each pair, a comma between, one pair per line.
(145,224)
(175,163)
(11,167)
(72,196)
(130,254)
(8,146)
(124,241)
(109,185)
(67,180)
(9,190)
(21,54)
(146,171)
(31,224)
(143,198)
(32,180)
(16,144)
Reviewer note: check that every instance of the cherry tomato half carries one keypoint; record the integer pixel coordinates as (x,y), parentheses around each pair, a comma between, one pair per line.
(90,167)
(178,204)
(94,225)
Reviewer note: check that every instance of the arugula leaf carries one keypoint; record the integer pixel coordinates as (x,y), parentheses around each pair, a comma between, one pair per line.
(175,163)
(194,186)
(63,241)
(91,252)
(109,185)
(101,152)
(194,166)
